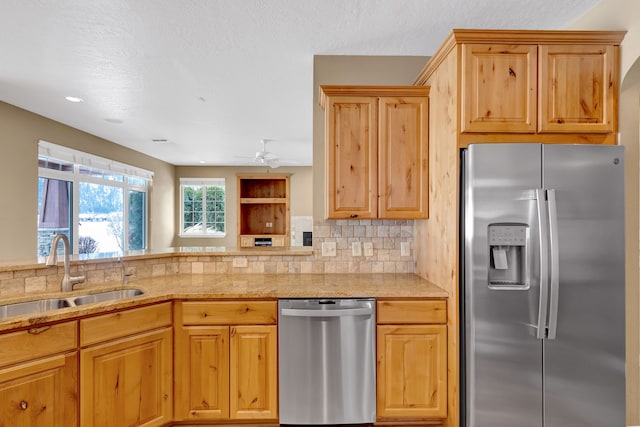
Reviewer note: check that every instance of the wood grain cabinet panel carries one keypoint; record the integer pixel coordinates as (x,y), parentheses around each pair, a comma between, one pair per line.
(202,373)
(403,157)
(499,88)
(351,124)
(376,145)
(253,373)
(128,382)
(43,393)
(412,371)
(578,88)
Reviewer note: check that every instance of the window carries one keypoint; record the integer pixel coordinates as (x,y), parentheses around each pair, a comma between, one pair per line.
(100,204)
(202,203)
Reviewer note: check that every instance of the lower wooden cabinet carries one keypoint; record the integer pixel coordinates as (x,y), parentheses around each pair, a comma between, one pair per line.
(254,372)
(226,361)
(412,360)
(42,393)
(127,381)
(39,377)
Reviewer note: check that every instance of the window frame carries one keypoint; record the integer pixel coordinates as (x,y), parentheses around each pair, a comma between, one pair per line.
(204,182)
(81,160)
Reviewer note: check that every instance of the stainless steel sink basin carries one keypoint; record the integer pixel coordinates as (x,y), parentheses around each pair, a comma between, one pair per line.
(30,307)
(107,296)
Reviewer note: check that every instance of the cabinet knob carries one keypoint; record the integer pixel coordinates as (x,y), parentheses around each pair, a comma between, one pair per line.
(23,405)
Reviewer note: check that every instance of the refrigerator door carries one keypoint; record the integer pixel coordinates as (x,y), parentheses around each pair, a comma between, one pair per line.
(502,358)
(584,365)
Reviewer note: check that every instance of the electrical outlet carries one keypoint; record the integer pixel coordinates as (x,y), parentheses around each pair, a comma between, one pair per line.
(356,249)
(368,248)
(240,262)
(328,248)
(405,249)
(269,225)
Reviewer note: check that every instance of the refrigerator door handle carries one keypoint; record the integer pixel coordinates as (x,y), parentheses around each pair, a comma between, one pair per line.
(554,263)
(543,233)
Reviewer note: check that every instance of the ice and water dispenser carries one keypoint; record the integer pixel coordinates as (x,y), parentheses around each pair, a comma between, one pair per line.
(508,256)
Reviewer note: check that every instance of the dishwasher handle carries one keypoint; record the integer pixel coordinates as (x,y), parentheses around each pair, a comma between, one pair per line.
(301,312)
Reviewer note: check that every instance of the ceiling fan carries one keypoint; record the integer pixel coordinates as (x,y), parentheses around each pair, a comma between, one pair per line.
(267,158)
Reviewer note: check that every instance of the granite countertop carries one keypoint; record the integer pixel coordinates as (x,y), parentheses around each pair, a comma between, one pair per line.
(230,286)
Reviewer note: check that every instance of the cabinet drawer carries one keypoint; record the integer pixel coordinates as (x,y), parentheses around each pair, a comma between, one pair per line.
(405,312)
(123,323)
(37,342)
(229,313)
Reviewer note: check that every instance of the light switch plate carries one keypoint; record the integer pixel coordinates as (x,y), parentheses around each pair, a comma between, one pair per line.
(368,248)
(240,262)
(328,248)
(356,249)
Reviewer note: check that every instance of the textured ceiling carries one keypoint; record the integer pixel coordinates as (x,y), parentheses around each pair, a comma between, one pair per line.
(214,77)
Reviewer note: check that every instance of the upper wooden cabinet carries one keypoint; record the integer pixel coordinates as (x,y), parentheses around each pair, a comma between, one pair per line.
(578,88)
(376,151)
(547,83)
(499,88)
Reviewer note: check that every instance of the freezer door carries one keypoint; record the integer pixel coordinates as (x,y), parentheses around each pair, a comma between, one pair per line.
(585,364)
(502,358)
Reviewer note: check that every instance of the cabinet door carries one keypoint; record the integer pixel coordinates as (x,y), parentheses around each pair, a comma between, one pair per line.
(127,382)
(40,394)
(403,152)
(253,376)
(412,371)
(351,146)
(578,84)
(202,372)
(499,88)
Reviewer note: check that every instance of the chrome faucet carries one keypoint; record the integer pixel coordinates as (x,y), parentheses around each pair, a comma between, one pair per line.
(68,280)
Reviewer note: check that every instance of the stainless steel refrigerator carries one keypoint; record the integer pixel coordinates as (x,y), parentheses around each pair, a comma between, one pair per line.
(542,286)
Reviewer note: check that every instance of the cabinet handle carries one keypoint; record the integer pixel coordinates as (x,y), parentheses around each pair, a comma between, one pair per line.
(23,405)
(36,331)
(354,216)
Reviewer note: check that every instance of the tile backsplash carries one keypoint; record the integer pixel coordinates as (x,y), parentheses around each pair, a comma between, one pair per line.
(388,238)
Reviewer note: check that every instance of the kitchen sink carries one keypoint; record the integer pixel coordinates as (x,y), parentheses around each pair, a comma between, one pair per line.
(49,304)
(29,307)
(107,296)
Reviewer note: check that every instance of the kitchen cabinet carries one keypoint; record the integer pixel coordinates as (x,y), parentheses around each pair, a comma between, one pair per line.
(38,377)
(126,368)
(538,88)
(226,360)
(412,360)
(263,209)
(529,86)
(376,162)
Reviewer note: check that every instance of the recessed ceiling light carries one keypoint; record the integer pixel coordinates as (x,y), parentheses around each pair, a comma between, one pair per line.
(73,99)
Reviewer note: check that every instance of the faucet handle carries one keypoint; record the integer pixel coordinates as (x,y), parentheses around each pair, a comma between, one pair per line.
(76,279)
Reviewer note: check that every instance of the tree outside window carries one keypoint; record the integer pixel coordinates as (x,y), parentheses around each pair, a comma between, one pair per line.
(203,208)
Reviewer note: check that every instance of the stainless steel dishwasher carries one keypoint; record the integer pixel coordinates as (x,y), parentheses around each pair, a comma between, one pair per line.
(327,367)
